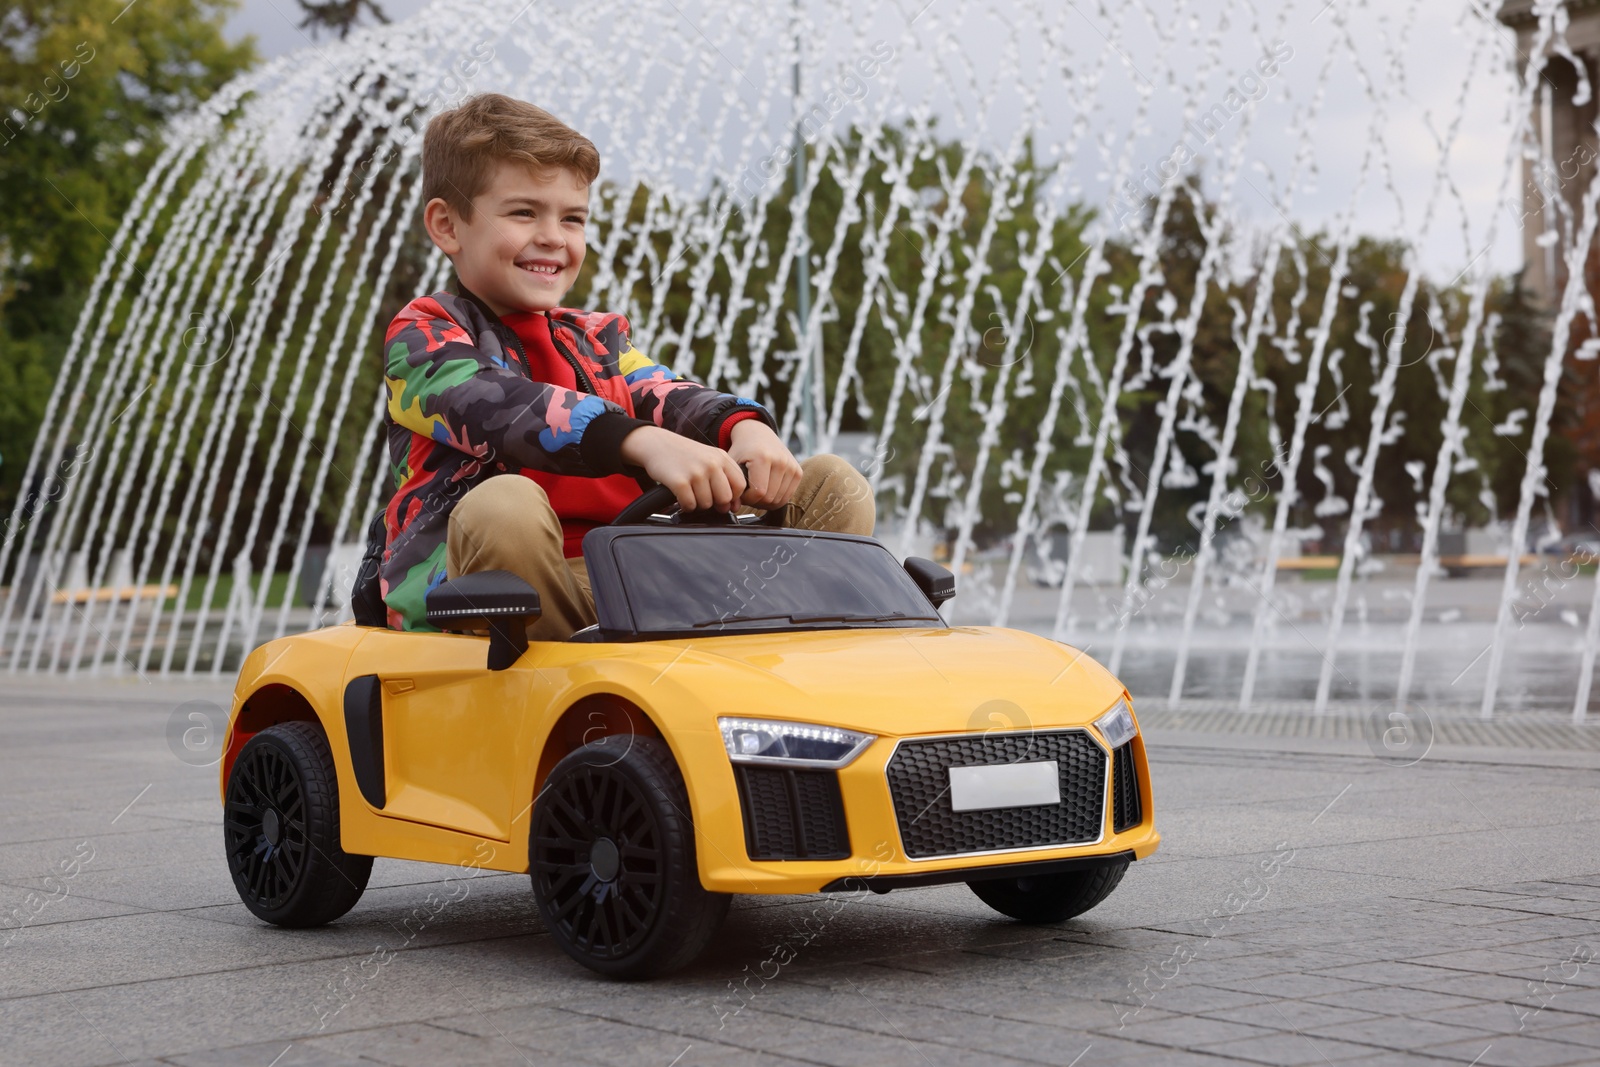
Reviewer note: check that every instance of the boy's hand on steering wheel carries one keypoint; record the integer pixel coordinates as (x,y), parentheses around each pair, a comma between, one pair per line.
(774,472)
(702,477)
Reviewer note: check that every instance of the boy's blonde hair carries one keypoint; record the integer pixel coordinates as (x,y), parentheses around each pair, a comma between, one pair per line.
(462,146)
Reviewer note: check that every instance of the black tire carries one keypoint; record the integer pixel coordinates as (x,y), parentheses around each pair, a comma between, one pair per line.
(280,826)
(1050,898)
(612,858)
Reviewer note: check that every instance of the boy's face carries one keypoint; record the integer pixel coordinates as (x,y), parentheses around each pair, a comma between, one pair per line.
(524,245)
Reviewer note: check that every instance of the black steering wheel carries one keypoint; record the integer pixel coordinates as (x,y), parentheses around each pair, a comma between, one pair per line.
(659,505)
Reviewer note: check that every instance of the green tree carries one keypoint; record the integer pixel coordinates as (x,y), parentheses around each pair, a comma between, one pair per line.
(338,16)
(85,89)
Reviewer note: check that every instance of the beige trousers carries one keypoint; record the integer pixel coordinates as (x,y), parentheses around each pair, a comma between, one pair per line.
(507,524)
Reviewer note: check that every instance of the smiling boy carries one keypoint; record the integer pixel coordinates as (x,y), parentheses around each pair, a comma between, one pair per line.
(515,423)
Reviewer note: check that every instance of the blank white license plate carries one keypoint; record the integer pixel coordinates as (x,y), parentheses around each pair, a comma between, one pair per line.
(1009,785)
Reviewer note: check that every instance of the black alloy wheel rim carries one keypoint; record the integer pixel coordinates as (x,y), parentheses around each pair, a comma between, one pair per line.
(597,822)
(265,825)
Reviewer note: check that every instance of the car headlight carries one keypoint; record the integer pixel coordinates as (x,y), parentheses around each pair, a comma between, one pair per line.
(793,743)
(1116,725)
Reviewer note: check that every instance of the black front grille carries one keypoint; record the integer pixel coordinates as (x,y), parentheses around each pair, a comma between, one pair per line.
(1127,809)
(792,814)
(919,782)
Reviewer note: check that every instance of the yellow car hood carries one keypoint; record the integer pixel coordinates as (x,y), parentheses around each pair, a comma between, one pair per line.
(899,681)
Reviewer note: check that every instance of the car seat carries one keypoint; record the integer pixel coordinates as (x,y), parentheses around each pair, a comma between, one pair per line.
(366,596)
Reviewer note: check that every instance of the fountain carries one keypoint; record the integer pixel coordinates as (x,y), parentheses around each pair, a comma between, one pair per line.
(1096,296)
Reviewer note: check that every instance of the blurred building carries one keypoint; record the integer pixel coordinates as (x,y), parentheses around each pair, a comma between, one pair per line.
(1563,119)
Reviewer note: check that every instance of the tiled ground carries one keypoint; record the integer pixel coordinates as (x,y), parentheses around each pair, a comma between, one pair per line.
(1311,904)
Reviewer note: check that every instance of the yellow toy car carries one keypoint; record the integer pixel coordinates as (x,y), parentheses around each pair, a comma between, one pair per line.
(758,710)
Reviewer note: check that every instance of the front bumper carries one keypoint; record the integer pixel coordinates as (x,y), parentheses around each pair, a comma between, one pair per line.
(877,856)
(883,883)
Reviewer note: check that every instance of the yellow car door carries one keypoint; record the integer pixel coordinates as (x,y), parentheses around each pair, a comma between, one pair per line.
(435,735)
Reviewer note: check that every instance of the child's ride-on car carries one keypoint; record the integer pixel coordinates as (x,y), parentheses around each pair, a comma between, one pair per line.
(758,710)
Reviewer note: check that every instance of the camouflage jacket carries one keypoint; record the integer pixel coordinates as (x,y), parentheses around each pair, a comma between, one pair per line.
(463,407)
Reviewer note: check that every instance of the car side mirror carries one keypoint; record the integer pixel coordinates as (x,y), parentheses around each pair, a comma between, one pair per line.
(498,600)
(936,582)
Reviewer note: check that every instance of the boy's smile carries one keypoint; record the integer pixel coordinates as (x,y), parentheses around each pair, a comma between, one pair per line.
(524,245)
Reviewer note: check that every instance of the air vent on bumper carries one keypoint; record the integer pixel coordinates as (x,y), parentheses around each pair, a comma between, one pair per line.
(1127,808)
(792,813)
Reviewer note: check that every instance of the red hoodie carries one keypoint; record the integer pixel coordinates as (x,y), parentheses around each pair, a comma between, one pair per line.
(580,503)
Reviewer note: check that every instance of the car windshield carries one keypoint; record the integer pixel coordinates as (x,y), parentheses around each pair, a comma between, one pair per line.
(688,582)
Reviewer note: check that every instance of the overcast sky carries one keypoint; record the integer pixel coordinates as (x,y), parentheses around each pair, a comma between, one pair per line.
(275,23)
(1421,78)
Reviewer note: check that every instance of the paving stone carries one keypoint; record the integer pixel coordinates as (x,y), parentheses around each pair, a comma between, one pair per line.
(1477,915)
(1569,889)
(141,843)
(1143,1055)
(1048,949)
(1479,961)
(1048,1004)
(1461,938)
(721,1056)
(1412,942)
(854,1049)
(1580,951)
(1292,985)
(23,909)
(160,886)
(1264,964)
(1549,905)
(1389,972)
(1513,1052)
(860,1009)
(1393,1001)
(1107,1046)
(1224,946)
(1556,977)
(421,1045)
(147,946)
(1555,1026)
(1193,998)
(1496,1018)
(1400,1034)
(1580,1001)
(1578,927)
(66,1032)
(302,1053)
(597,1040)
(1592,880)
(1290,1014)
(1289,1050)
(1495,897)
(1191,1031)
